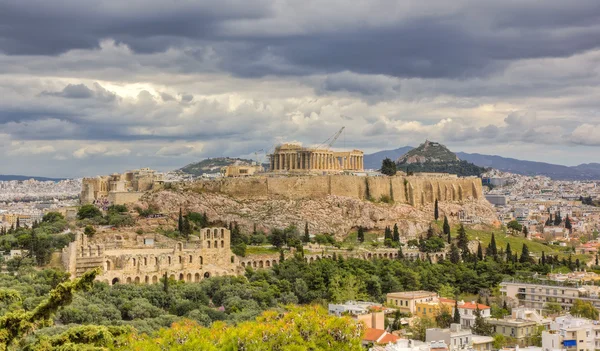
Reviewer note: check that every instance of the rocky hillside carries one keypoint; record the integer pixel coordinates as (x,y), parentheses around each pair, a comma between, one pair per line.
(212,165)
(334,214)
(429,151)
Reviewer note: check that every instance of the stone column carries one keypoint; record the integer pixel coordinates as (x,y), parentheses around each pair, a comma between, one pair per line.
(271,163)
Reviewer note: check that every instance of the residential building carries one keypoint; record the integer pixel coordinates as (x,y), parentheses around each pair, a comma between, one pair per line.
(372,315)
(406,301)
(455,337)
(518,329)
(378,337)
(482,343)
(568,333)
(467,310)
(537,294)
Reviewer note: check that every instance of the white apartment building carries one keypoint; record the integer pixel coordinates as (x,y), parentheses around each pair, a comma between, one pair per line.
(536,295)
(568,333)
(455,337)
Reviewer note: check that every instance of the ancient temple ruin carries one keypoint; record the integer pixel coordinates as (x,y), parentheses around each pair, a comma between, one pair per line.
(295,158)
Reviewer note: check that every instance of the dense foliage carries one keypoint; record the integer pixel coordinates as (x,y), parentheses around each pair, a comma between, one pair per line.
(461,168)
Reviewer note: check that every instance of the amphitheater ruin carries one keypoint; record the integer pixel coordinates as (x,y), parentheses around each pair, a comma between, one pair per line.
(192,261)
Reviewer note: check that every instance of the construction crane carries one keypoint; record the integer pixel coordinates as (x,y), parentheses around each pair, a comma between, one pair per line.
(327,143)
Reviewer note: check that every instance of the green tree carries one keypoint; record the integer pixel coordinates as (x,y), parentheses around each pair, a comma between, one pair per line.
(525,258)
(277,238)
(396,235)
(525,231)
(419,327)
(515,226)
(568,224)
(557,219)
(444,318)
(346,288)
(481,327)
(180,221)
(388,167)
(436,210)
(454,254)
(88,211)
(89,231)
(456,318)
(493,248)
(508,253)
(543,258)
(306,237)
(479,252)
(187,227)
(52,217)
(552,308)
(19,323)
(447,290)
(361,234)
(463,241)
(584,309)
(446,228)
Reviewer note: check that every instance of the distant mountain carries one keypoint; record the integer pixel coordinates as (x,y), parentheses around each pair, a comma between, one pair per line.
(588,171)
(429,151)
(8,177)
(212,165)
(373,161)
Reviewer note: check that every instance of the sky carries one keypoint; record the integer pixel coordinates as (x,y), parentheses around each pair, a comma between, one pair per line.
(96,87)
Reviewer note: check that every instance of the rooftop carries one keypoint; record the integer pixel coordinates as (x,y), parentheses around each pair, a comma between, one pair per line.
(412,294)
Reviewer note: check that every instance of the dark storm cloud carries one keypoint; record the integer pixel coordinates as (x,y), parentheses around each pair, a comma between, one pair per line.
(476,39)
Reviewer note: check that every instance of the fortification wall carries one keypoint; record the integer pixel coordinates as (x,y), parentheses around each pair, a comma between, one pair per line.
(125,197)
(416,191)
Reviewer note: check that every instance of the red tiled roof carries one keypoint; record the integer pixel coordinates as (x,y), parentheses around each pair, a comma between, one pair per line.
(373,334)
(473,306)
(387,338)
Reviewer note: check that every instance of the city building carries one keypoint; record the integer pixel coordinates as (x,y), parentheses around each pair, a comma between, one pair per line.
(466,310)
(378,337)
(520,330)
(568,333)
(482,343)
(455,337)
(295,158)
(371,314)
(406,301)
(537,294)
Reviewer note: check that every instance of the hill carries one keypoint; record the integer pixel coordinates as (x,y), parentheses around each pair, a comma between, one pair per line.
(435,157)
(8,177)
(212,165)
(427,152)
(588,171)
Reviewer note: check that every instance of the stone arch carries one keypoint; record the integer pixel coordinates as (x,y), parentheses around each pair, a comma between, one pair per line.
(180,276)
(244,264)
(208,244)
(147,279)
(172,276)
(180,259)
(201,260)
(215,233)
(156,261)
(136,280)
(134,262)
(260,264)
(222,243)
(216,246)
(154,279)
(268,263)
(179,246)
(369,256)
(311,260)
(128,280)
(189,277)
(197,277)
(232,259)
(254,264)
(206,275)
(169,259)
(115,281)
(145,261)
(191,258)
(108,265)
(222,233)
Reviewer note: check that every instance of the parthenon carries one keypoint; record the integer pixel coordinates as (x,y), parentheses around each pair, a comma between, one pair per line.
(295,158)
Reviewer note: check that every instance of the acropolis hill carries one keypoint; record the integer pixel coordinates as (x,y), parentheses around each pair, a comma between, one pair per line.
(328,203)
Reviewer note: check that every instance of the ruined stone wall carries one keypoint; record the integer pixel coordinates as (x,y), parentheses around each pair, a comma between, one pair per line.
(125,197)
(416,191)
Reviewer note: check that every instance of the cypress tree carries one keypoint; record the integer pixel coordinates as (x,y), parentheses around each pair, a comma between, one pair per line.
(446,228)
(281,256)
(361,234)
(568,224)
(543,258)
(508,253)
(479,252)
(525,255)
(18,223)
(254,232)
(454,254)
(456,318)
(400,253)
(187,227)
(306,237)
(463,241)
(557,219)
(525,231)
(396,237)
(165,283)
(180,222)
(493,248)
(504,305)
(436,211)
